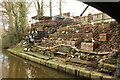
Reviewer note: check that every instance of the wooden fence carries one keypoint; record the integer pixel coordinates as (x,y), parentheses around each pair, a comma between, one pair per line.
(95,18)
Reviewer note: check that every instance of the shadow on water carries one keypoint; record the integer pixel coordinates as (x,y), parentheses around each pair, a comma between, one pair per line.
(16,67)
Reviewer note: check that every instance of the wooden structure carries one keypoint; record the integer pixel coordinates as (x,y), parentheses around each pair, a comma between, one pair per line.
(88,36)
(87,46)
(104,27)
(95,18)
(47,21)
(103,37)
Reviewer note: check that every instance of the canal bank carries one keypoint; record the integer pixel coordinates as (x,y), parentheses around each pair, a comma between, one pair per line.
(15,67)
(57,64)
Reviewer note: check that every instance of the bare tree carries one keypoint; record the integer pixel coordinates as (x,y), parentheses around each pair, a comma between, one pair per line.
(50,8)
(17,21)
(60,7)
(42,10)
(8,11)
(39,8)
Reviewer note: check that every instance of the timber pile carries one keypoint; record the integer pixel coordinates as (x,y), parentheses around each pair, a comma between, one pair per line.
(101,62)
(69,35)
(98,37)
(78,42)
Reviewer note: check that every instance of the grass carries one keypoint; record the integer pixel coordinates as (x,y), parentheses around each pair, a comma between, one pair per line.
(21,49)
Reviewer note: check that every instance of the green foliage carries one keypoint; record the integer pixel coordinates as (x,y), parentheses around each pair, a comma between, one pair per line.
(19,30)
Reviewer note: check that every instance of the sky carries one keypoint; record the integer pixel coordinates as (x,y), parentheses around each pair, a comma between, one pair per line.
(73,6)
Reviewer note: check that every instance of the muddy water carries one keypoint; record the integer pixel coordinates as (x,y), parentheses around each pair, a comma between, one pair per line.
(12,66)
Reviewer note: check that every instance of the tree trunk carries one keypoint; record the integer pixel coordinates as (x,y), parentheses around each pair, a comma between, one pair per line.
(11,21)
(50,8)
(60,9)
(23,19)
(38,10)
(42,11)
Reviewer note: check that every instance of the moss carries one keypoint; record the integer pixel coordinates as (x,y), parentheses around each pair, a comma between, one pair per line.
(84,73)
(109,67)
(83,57)
(21,49)
(61,67)
(41,52)
(43,62)
(95,76)
(92,58)
(70,63)
(52,64)
(110,61)
(70,69)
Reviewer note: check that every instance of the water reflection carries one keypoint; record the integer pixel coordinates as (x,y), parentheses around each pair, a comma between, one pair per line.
(15,67)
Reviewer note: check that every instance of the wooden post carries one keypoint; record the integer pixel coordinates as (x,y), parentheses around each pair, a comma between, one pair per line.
(102,17)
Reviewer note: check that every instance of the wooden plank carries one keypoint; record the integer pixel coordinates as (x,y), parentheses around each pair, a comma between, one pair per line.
(39,56)
(88,63)
(95,17)
(62,53)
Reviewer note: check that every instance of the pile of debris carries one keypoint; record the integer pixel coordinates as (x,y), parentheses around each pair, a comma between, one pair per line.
(97,37)
(101,62)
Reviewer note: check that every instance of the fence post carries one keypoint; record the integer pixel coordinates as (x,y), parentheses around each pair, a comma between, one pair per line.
(103,17)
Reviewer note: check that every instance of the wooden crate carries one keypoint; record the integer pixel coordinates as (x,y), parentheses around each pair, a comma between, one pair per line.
(87,46)
(104,27)
(88,36)
(88,28)
(103,37)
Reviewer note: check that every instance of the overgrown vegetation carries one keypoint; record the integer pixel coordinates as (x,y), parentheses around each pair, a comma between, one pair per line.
(17,23)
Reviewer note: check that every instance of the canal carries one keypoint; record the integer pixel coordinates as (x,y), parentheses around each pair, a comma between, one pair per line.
(12,66)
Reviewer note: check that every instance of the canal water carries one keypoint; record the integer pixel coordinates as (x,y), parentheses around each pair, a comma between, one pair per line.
(12,66)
